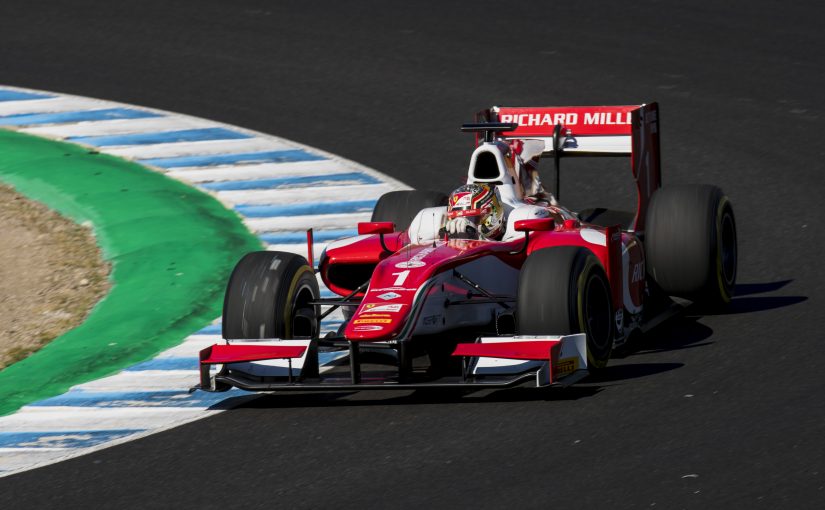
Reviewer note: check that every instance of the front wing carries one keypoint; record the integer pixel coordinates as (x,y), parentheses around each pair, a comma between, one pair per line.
(296,365)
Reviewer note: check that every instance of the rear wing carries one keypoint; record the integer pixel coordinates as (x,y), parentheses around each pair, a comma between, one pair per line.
(592,131)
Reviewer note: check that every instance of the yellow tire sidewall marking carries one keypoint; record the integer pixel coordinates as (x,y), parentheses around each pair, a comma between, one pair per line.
(290,295)
(580,284)
(720,278)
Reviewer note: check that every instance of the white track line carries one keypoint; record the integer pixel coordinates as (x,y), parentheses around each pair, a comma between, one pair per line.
(119,127)
(259,171)
(298,249)
(53,105)
(170,150)
(302,196)
(326,221)
(74,418)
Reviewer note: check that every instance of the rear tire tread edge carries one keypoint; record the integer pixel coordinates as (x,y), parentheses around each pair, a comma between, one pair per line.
(400,207)
(683,243)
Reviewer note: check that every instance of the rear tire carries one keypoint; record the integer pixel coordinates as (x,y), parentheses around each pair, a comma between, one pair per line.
(563,291)
(400,207)
(690,243)
(268,296)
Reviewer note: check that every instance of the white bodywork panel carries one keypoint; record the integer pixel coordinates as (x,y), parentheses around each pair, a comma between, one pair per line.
(618,144)
(523,212)
(508,188)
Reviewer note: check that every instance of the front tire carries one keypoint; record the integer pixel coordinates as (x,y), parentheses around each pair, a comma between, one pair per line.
(268,296)
(564,291)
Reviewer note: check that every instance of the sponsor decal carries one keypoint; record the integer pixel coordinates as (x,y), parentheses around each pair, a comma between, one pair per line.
(568,119)
(416,260)
(372,321)
(462,199)
(638,272)
(619,319)
(374,307)
(368,328)
(468,212)
(634,321)
(388,296)
(566,366)
(410,264)
(431,320)
(635,277)
(365,315)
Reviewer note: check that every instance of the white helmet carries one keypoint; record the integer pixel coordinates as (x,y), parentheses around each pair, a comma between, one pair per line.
(479,205)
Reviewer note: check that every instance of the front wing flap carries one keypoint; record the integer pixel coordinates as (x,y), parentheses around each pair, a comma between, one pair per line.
(555,358)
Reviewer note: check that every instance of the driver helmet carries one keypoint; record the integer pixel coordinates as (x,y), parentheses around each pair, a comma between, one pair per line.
(478,204)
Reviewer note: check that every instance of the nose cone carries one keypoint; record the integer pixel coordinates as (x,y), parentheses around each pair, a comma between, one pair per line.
(388,303)
(389,306)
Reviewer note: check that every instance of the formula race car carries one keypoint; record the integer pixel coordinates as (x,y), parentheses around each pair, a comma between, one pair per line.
(541,305)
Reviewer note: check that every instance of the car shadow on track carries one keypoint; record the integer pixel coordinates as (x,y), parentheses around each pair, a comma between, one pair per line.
(685,331)
(681,332)
(591,386)
(744,301)
(413,397)
(615,373)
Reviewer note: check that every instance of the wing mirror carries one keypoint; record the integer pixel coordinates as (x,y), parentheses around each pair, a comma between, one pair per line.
(535,224)
(377,227)
(532,225)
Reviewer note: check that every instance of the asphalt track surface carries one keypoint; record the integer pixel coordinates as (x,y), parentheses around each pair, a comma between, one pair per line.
(721,411)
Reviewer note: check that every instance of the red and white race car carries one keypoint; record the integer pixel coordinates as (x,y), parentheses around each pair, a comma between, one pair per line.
(541,306)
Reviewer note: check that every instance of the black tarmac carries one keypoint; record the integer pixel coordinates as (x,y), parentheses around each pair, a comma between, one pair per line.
(721,411)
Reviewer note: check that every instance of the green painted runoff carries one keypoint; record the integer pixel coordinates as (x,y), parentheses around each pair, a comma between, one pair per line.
(171,246)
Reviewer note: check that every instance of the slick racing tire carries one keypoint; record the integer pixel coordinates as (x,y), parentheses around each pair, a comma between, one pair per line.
(400,207)
(268,296)
(562,291)
(690,244)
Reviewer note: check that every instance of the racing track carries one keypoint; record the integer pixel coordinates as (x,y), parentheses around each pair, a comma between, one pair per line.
(715,411)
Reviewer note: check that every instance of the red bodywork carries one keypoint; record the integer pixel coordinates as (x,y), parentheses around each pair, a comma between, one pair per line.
(235,353)
(396,290)
(407,276)
(401,281)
